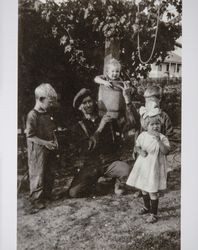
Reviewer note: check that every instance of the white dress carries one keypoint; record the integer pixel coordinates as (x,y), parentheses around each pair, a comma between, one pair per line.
(149,173)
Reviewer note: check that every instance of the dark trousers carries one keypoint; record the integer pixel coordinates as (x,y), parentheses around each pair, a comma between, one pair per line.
(84,181)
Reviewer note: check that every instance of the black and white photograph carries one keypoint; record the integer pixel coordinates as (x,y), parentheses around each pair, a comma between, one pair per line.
(99,124)
(102,93)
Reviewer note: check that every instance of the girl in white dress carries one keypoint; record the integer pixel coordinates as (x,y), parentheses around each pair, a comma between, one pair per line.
(150,169)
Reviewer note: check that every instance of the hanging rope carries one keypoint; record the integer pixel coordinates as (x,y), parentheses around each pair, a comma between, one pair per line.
(154,43)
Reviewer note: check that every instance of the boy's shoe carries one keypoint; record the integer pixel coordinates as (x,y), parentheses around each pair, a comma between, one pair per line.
(152,218)
(143,211)
(34,207)
(31,210)
(39,204)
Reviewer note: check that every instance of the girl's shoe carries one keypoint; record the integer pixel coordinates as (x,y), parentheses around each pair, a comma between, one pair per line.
(152,218)
(119,189)
(137,194)
(143,211)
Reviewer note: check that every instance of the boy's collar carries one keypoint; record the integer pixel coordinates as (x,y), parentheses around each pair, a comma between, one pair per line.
(39,110)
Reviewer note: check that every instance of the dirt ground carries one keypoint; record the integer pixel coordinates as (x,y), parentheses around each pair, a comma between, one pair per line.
(103,222)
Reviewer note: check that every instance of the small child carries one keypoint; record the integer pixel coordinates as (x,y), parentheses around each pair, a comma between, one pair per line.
(149,173)
(113,68)
(110,99)
(152,97)
(41,146)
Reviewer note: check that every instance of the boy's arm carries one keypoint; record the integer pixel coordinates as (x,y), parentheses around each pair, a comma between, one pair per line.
(55,140)
(133,116)
(131,112)
(100,80)
(37,140)
(167,125)
(105,119)
(163,144)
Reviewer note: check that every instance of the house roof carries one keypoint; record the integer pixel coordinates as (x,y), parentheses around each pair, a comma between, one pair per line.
(173,58)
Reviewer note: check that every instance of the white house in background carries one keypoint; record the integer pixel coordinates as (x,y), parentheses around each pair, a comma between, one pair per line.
(171,67)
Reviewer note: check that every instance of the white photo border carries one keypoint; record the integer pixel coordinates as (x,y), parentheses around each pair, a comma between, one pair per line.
(8,131)
(8,127)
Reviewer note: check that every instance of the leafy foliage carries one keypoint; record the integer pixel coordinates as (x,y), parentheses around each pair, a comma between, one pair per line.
(65,43)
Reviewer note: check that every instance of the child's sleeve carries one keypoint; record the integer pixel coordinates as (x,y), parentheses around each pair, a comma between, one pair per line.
(167,125)
(165,141)
(31,124)
(100,79)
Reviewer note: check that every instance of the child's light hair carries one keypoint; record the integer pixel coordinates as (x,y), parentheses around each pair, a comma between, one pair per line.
(153,91)
(45,90)
(145,121)
(113,62)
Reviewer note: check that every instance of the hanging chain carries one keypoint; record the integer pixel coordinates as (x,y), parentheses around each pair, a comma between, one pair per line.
(154,43)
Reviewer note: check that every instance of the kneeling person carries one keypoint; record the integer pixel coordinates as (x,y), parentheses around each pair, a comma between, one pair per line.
(97,143)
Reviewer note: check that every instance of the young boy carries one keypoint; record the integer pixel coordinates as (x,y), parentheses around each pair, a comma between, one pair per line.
(110,98)
(41,146)
(152,97)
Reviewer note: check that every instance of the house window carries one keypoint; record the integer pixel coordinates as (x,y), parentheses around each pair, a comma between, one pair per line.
(178,68)
(174,67)
(160,67)
(167,67)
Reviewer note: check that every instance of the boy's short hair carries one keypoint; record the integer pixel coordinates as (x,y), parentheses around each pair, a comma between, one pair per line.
(153,91)
(113,62)
(45,90)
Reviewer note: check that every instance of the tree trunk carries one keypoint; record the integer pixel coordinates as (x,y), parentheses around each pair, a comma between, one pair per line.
(112,50)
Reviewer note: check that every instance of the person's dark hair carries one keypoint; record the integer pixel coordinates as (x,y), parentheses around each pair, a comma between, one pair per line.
(80,96)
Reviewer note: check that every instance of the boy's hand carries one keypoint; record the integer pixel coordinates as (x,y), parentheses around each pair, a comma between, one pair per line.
(127,91)
(92,143)
(105,119)
(143,153)
(51,145)
(108,84)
